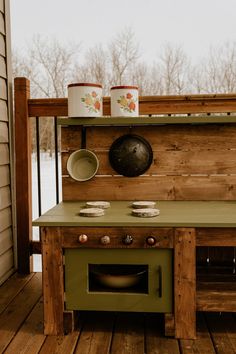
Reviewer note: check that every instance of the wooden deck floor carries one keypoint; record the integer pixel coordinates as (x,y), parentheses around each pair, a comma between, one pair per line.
(21,328)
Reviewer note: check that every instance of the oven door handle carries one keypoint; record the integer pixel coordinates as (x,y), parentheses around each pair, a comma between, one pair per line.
(159,281)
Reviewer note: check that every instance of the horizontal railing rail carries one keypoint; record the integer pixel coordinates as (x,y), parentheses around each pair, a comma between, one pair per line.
(148,105)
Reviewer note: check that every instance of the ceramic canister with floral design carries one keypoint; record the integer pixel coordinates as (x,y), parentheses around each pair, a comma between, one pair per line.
(84,100)
(124,101)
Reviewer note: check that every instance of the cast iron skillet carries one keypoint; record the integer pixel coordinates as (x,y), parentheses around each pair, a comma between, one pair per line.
(130,155)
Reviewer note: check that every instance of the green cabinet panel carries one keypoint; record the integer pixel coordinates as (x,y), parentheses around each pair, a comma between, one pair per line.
(158,296)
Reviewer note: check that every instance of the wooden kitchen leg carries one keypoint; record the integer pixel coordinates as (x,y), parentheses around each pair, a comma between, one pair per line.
(53,286)
(70,320)
(169,324)
(185,283)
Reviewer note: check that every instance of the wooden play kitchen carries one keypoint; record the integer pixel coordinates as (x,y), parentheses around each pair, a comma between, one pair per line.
(192,180)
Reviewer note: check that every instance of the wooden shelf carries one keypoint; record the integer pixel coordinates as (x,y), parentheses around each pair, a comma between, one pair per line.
(160,120)
(216,288)
(217,295)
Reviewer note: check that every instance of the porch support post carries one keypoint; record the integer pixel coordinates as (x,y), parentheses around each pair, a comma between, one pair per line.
(23,174)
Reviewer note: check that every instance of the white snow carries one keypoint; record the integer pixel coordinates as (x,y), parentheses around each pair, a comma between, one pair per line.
(48,193)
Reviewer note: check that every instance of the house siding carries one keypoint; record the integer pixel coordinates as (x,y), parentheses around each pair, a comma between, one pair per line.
(7,264)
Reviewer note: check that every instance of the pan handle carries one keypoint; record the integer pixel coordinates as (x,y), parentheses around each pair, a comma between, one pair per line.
(159,270)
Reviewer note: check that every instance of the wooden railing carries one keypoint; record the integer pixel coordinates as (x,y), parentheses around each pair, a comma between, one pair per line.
(25,108)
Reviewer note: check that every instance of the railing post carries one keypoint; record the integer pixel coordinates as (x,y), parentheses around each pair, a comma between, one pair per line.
(23,174)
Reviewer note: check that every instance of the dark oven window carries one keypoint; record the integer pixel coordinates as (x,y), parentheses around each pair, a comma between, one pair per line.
(129,278)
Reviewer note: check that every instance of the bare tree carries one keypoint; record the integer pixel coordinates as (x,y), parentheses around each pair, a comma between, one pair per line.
(123,53)
(221,69)
(94,68)
(52,64)
(49,66)
(114,65)
(196,78)
(174,66)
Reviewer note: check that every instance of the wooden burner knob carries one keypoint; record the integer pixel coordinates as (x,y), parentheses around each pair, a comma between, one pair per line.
(83,238)
(105,240)
(150,240)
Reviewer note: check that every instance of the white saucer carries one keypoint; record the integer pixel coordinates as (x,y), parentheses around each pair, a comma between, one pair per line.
(92,212)
(146,212)
(143,204)
(99,204)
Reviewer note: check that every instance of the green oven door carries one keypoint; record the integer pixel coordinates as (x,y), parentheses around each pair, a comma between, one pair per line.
(86,290)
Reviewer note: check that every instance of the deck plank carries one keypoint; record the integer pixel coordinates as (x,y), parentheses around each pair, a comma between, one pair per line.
(97,334)
(17,311)
(21,328)
(202,344)
(60,344)
(11,288)
(156,343)
(128,335)
(30,337)
(223,332)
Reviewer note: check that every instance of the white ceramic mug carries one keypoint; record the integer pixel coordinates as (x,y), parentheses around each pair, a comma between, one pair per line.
(84,100)
(124,101)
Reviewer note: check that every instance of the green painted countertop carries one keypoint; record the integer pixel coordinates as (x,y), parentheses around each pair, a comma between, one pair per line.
(172,214)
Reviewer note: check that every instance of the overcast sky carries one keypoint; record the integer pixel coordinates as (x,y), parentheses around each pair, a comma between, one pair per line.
(193,24)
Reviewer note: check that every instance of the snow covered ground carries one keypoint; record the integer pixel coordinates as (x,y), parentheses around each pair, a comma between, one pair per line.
(48,193)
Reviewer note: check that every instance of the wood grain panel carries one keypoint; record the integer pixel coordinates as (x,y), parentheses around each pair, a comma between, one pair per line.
(185,283)
(216,296)
(177,150)
(70,138)
(149,188)
(162,138)
(216,237)
(70,237)
(174,162)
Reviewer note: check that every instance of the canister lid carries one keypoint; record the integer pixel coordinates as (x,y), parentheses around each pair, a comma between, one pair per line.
(85,84)
(124,87)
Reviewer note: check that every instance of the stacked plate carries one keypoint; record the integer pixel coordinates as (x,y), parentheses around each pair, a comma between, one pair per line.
(95,208)
(100,205)
(145,209)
